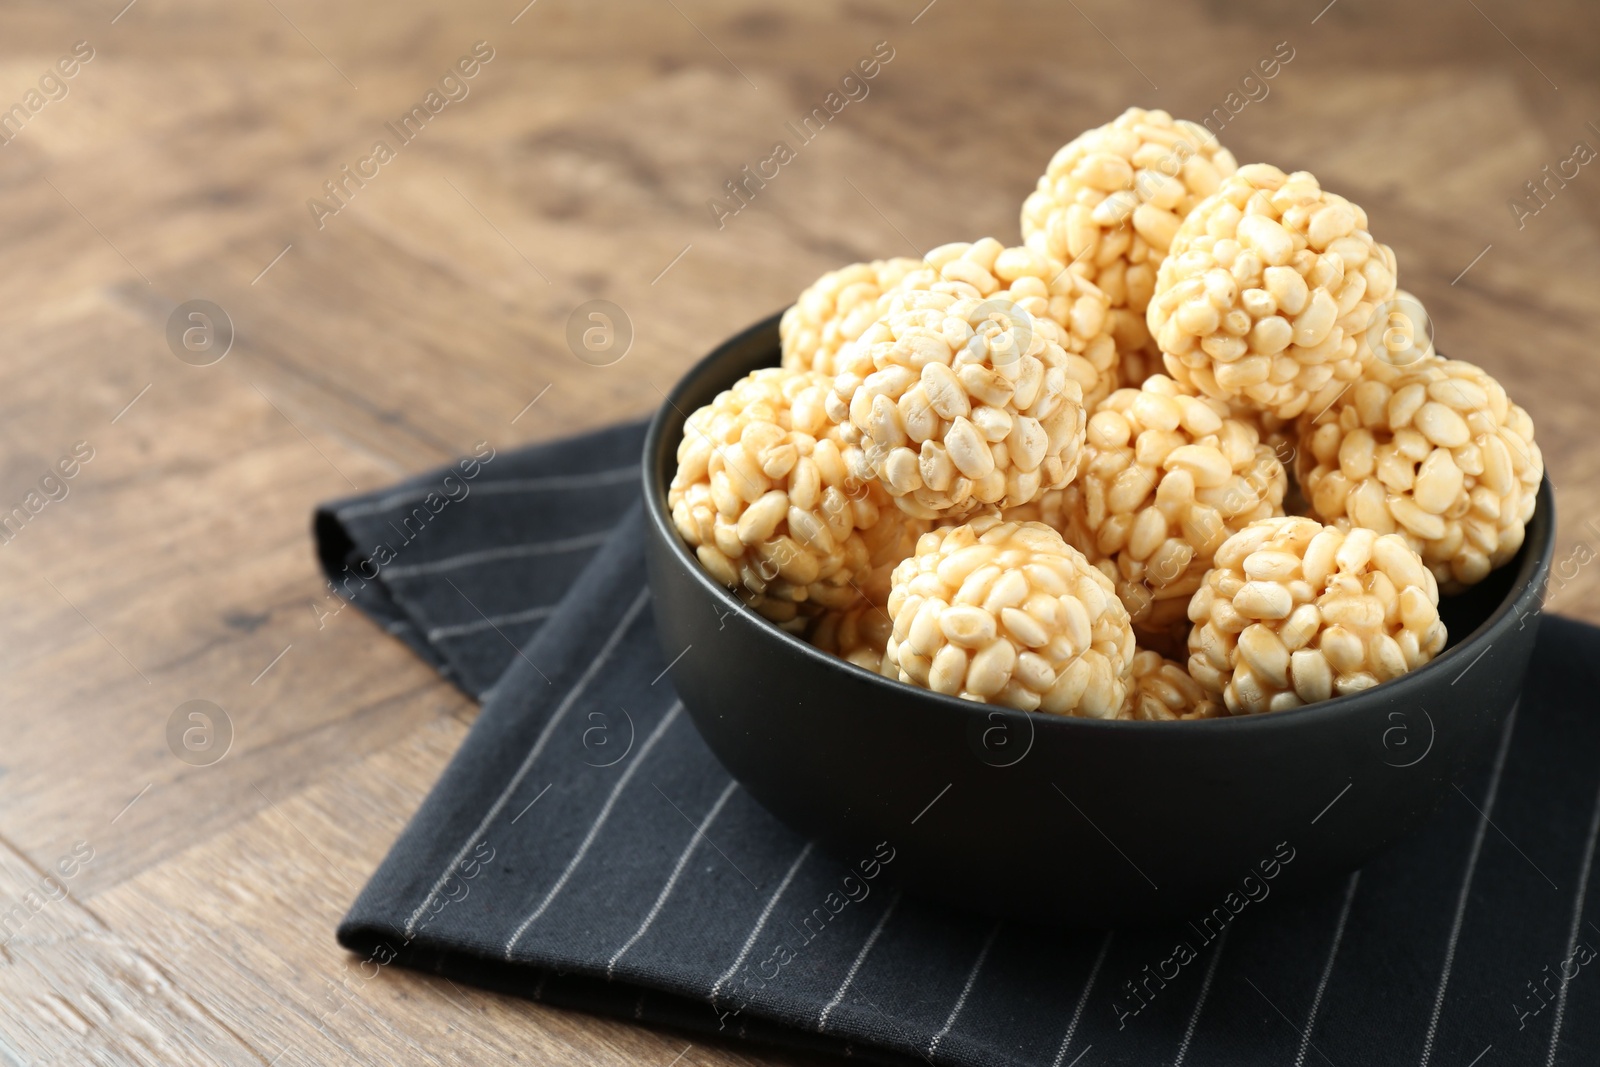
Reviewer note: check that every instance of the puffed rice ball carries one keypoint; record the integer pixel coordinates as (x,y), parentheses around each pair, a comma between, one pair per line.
(1110,203)
(1136,365)
(1160,690)
(836,309)
(1294,612)
(974,397)
(1062,511)
(1280,435)
(1039,284)
(857,634)
(1267,293)
(1009,613)
(1166,479)
(763,493)
(887,554)
(1436,452)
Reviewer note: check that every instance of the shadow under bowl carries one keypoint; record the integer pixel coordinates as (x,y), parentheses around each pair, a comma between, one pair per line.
(1067,821)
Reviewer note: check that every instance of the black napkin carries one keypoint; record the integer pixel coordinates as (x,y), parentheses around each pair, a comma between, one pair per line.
(584,847)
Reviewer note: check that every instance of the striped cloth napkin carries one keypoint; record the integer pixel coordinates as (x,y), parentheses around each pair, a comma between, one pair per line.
(585,848)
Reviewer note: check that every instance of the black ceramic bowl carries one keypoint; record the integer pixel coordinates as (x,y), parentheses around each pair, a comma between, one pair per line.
(1073,821)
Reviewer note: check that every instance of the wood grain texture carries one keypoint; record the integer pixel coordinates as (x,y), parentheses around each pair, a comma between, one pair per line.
(431,309)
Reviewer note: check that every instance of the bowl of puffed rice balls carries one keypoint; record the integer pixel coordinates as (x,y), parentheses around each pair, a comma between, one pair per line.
(1096,573)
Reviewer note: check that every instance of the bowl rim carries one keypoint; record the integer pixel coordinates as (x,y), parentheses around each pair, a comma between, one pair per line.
(1527,586)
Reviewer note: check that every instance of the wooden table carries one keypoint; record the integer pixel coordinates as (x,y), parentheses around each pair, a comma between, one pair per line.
(430,312)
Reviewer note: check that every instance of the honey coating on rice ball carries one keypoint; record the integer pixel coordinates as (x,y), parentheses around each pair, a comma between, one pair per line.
(1294,612)
(1166,479)
(1435,452)
(1009,613)
(974,394)
(764,494)
(1160,690)
(1267,293)
(836,309)
(1111,202)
